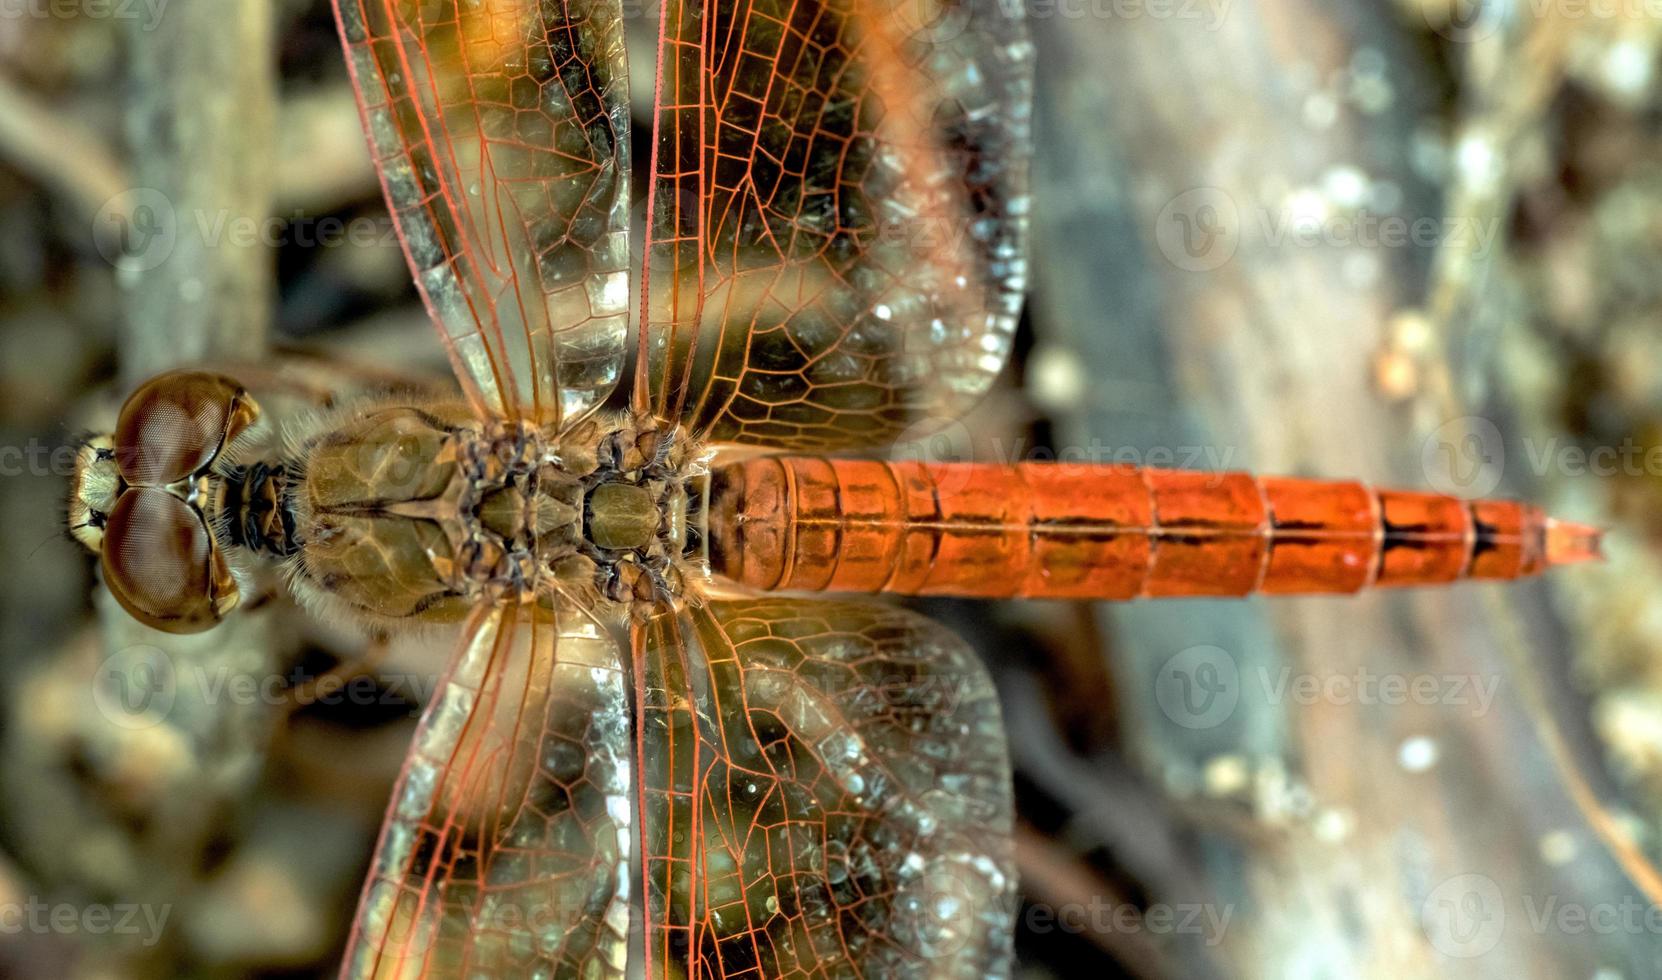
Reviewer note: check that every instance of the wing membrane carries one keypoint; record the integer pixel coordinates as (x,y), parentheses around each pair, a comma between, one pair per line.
(506,848)
(837,215)
(825,792)
(501,132)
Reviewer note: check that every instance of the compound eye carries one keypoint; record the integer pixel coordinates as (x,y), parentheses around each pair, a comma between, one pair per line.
(161,564)
(174,425)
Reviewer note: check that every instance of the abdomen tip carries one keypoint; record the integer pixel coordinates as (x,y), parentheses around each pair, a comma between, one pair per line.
(1571,543)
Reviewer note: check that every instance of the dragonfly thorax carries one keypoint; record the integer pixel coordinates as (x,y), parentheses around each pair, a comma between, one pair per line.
(418,513)
(639,521)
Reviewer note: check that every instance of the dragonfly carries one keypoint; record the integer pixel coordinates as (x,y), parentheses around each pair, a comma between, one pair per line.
(680,734)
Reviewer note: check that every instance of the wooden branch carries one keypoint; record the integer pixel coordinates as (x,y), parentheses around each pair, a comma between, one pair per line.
(58,152)
(201,137)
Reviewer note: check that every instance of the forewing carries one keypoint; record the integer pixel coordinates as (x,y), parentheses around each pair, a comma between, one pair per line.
(837,215)
(505,850)
(825,792)
(501,132)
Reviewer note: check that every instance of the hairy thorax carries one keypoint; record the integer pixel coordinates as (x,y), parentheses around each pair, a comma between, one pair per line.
(406,513)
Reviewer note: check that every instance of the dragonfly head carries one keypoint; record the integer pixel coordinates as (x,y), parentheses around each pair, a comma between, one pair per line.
(137,499)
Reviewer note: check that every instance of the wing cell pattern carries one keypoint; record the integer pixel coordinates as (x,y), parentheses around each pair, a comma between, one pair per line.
(825,793)
(837,216)
(506,847)
(500,129)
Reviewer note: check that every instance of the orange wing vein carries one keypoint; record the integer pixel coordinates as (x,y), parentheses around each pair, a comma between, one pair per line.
(505,850)
(837,215)
(501,132)
(824,792)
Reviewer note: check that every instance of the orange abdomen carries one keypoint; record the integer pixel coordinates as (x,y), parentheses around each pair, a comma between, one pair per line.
(1080,531)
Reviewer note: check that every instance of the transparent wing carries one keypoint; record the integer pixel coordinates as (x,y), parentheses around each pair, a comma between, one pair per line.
(501,132)
(825,792)
(836,244)
(506,847)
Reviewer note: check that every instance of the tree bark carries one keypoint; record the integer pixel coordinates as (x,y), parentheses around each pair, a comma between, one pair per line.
(200,131)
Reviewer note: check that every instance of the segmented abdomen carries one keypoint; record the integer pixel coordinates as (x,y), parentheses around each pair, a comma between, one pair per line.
(1046,530)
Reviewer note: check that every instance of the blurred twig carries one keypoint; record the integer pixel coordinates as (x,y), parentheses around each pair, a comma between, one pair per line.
(201,132)
(1110,809)
(58,152)
(1050,877)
